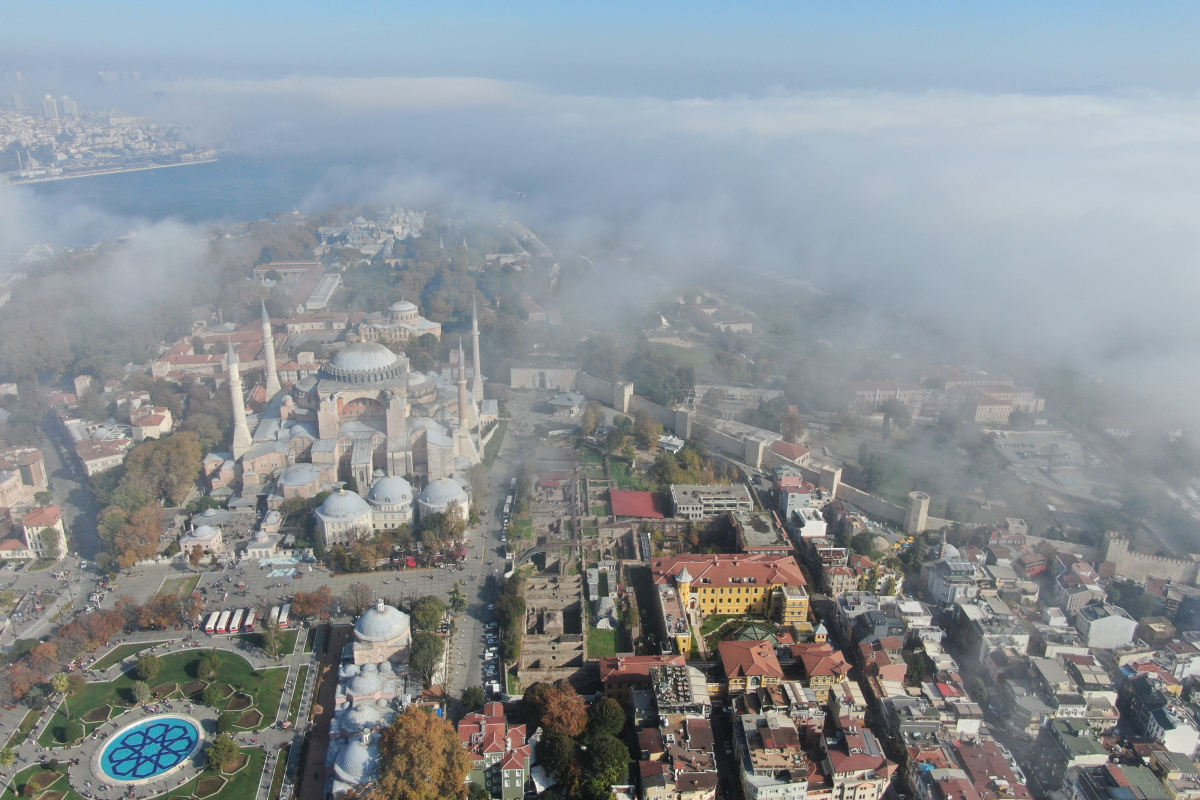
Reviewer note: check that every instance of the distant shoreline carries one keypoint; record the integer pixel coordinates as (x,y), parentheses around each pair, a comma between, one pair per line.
(105,171)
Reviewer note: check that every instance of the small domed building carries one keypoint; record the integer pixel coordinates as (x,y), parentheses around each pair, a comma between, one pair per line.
(343,517)
(207,537)
(391,501)
(401,322)
(382,633)
(440,495)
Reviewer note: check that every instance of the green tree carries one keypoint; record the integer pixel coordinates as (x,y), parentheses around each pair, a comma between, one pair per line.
(148,667)
(606,716)
(606,763)
(458,598)
(222,752)
(62,684)
(426,655)
(8,757)
(421,758)
(212,695)
(473,698)
(558,753)
(427,612)
(42,498)
(272,639)
(209,666)
(141,691)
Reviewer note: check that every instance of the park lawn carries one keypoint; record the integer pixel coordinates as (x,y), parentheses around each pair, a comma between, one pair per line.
(492,448)
(265,686)
(242,785)
(122,652)
(626,478)
(182,587)
(27,723)
(280,772)
(601,643)
(287,640)
(520,529)
(22,778)
(298,695)
(713,622)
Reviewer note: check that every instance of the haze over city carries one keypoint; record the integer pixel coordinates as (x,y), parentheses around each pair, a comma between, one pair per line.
(606,401)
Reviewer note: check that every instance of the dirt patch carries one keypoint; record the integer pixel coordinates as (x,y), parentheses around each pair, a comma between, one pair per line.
(251,719)
(240,701)
(237,764)
(194,688)
(55,795)
(43,779)
(97,714)
(225,689)
(209,786)
(165,689)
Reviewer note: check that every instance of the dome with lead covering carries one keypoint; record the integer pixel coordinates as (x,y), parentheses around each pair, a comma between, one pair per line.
(357,761)
(381,623)
(363,715)
(364,684)
(343,506)
(364,362)
(403,305)
(440,493)
(391,491)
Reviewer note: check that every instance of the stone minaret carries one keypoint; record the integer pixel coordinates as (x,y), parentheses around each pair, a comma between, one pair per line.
(477,383)
(241,430)
(463,414)
(272,376)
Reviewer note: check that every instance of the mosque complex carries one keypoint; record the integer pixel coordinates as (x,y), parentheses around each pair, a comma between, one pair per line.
(364,416)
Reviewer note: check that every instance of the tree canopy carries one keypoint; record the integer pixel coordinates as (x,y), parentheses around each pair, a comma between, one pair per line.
(427,612)
(421,758)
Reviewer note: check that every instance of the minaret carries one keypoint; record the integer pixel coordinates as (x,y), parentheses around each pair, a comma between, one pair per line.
(463,415)
(477,383)
(272,376)
(241,430)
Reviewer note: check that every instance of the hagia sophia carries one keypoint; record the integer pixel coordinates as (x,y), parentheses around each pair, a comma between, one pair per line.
(365,416)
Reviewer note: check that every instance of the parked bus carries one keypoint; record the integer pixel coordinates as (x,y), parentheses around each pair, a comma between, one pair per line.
(274,615)
(248,625)
(211,625)
(223,622)
(235,624)
(284,613)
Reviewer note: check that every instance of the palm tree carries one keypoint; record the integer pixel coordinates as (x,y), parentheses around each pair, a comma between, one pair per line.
(61,684)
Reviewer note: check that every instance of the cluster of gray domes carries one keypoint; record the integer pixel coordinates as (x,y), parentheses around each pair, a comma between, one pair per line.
(343,506)
(390,491)
(364,362)
(381,623)
(358,762)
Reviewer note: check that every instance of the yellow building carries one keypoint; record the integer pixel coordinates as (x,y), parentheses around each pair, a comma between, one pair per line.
(691,587)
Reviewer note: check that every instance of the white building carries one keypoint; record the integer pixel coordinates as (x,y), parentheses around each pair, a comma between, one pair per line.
(440,494)
(1105,626)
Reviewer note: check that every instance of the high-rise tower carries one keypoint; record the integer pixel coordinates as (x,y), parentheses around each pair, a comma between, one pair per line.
(242,440)
(272,377)
(477,382)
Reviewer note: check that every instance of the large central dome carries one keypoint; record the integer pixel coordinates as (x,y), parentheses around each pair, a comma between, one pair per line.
(364,362)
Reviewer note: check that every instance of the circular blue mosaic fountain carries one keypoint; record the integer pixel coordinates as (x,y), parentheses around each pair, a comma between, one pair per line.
(149,749)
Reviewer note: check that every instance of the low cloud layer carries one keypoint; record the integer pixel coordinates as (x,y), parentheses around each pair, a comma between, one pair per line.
(1059,226)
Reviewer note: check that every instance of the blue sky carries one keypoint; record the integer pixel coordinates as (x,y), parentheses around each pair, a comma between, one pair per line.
(664,48)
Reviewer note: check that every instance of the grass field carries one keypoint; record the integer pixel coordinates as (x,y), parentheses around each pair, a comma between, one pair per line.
(589,456)
(492,448)
(121,652)
(627,479)
(264,686)
(16,789)
(27,723)
(599,509)
(519,530)
(182,587)
(600,643)
(280,772)
(297,695)
(242,785)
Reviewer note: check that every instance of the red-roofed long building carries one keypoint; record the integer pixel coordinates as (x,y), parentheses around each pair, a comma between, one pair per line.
(500,755)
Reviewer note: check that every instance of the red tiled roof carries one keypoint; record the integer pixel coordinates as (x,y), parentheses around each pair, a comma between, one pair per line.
(789,450)
(625,667)
(647,505)
(742,659)
(723,569)
(42,517)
